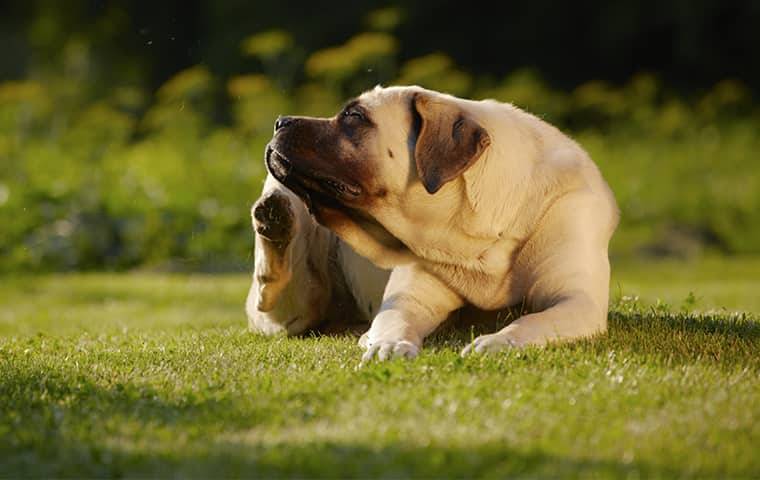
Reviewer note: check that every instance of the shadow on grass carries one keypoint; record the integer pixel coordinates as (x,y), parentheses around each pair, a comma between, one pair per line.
(726,339)
(684,338)
(70,457)
(54,423)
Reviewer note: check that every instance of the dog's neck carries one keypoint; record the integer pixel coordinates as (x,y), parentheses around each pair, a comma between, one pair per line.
(499,187)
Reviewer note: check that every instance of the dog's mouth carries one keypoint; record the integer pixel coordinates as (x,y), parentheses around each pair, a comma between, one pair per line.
(319,190)
(312,186)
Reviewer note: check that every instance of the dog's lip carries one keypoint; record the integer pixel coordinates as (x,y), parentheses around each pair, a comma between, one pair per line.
(338,186)
(292,321)
(283,170)
(277,164)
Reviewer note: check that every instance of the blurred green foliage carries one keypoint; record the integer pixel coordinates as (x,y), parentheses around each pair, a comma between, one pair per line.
(116,179)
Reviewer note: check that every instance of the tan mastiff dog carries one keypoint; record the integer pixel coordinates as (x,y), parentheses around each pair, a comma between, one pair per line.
(453,202)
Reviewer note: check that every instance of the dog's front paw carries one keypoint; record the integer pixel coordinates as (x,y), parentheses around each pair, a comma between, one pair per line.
(386,350)
(491,343)
(273,218)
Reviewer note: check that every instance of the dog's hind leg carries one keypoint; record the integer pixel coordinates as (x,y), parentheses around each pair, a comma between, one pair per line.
(291,286)
(274,224)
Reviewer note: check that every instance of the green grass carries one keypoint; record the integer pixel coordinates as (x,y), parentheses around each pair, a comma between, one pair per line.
(155,375)
(714,283)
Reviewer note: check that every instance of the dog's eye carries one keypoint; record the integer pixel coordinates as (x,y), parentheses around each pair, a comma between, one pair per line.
(353,113)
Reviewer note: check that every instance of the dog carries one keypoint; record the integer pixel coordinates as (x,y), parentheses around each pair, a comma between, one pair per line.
(410,204)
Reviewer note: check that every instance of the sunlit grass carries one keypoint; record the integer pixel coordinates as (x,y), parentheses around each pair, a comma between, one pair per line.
(712,283)
(155,375)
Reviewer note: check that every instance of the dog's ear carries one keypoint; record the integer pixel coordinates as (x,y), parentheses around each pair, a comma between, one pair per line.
(448,141)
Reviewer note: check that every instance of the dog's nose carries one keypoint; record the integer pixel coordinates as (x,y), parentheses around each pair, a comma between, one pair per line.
(282,122)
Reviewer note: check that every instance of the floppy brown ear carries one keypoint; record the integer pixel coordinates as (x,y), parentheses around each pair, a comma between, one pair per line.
(448,141)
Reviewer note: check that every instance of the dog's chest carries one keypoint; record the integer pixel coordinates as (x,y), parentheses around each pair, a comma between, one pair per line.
(488,281)
(365,281)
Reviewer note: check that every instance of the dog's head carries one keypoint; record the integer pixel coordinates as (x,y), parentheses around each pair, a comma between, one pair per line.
(382,172)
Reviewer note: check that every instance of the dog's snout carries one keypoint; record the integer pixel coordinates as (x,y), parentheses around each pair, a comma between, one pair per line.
(282,122)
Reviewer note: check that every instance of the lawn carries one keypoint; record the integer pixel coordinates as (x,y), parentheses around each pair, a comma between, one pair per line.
(144,374)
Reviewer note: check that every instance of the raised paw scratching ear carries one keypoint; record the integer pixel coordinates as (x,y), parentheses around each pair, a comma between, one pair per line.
(448,142)
(274,222)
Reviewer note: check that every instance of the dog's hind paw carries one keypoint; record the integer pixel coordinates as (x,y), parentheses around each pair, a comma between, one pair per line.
(273,218)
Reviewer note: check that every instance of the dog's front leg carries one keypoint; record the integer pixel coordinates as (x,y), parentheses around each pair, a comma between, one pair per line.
(570,305)
(574,316)
(414,304)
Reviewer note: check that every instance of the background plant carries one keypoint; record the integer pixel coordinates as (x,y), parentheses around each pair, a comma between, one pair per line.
(98,172)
